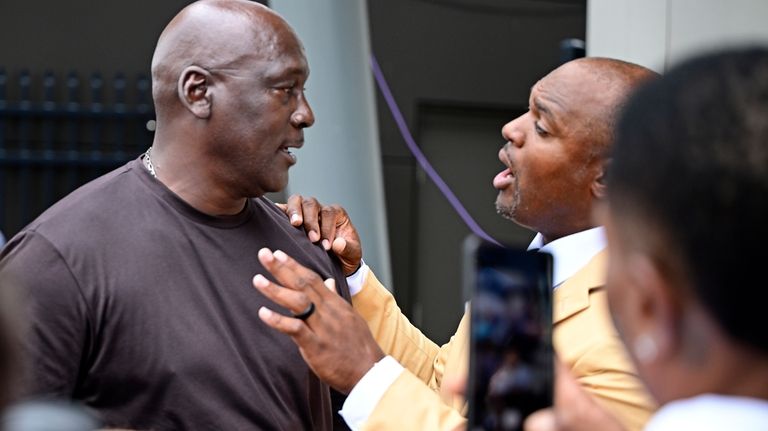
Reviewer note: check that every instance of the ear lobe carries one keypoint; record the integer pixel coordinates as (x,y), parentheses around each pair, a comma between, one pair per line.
(599,184)
(656,311)
(195,92)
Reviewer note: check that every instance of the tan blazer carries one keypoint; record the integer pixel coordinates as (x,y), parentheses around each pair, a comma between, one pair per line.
(584,338)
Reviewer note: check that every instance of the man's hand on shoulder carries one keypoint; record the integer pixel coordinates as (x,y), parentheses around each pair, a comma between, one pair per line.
(329,224)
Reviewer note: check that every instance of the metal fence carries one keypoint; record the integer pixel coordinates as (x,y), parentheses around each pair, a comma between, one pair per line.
(57,133)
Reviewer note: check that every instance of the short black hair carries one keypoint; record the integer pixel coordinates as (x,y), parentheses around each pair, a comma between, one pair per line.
(691,158)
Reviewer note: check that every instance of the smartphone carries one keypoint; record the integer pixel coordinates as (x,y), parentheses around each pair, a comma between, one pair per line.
(511,371)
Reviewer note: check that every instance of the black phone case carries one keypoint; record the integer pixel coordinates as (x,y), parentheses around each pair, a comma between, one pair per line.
(511,356)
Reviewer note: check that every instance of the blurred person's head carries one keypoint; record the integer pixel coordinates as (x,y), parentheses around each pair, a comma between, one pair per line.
(687,200)
(556,152)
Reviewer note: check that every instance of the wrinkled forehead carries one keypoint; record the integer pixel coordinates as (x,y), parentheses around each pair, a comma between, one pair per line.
(279,43)
(261,38)
(280,58)
(571,91)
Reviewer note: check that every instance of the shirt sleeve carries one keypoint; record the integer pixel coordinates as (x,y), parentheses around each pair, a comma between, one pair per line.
(356,280)
(56,329)
(368,391)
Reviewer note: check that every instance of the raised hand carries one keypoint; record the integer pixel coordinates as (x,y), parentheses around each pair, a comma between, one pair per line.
(332,338)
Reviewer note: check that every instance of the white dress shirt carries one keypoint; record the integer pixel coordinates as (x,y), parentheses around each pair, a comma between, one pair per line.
(712,412)
(569,254)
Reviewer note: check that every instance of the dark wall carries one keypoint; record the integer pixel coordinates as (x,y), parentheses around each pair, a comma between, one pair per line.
(459,70)
(86,35)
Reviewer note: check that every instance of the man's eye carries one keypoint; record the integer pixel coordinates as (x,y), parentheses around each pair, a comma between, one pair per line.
(539,130)
(287,90)
(292,90)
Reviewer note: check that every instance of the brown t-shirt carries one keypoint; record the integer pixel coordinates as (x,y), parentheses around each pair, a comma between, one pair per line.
(142,308)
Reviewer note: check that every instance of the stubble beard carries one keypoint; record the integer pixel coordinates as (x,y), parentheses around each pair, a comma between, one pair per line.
(508,210)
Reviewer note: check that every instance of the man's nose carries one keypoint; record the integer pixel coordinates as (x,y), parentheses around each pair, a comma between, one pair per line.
(303,116)
(512,132)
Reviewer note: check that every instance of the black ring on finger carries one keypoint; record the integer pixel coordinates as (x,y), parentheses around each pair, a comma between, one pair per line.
(306,313)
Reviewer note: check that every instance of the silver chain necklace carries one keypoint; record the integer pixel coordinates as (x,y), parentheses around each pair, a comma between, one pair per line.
(148,163)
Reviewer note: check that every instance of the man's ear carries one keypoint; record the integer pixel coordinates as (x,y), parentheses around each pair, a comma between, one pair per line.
(194,91)
(599,184)
(657,309)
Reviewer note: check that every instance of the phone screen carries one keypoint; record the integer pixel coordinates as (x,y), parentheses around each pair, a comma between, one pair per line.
(511,359)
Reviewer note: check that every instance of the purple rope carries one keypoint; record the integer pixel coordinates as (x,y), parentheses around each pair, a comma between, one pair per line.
(433,175)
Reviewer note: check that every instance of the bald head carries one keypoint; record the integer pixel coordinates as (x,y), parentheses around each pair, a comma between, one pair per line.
(603,86)
(215,35)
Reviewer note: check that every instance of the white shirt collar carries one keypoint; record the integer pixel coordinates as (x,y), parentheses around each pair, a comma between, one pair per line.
(570,253)
(711,412)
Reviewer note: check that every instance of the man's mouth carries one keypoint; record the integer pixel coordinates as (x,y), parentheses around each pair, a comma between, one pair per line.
(286,149)
(288,153)
(504,178)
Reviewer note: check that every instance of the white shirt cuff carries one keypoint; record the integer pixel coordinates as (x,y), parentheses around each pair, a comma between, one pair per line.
(355,281)
(368,392)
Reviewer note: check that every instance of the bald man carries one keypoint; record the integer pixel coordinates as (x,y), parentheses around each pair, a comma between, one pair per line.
(138,285)
(555,161)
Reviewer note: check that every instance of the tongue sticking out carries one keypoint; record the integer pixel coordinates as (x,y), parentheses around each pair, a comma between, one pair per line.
(502,179)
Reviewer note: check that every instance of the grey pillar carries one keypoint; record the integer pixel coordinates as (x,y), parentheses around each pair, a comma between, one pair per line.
(340,161)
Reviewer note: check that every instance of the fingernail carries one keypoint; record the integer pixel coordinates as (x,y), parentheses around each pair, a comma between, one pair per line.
(339,244)
(295,219)
(330,284)
(326,244)
(265,313)
(265,254)
(313,236)
(280,256)
(260,281)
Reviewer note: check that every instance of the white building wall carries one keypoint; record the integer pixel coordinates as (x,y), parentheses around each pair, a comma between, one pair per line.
(657,33)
